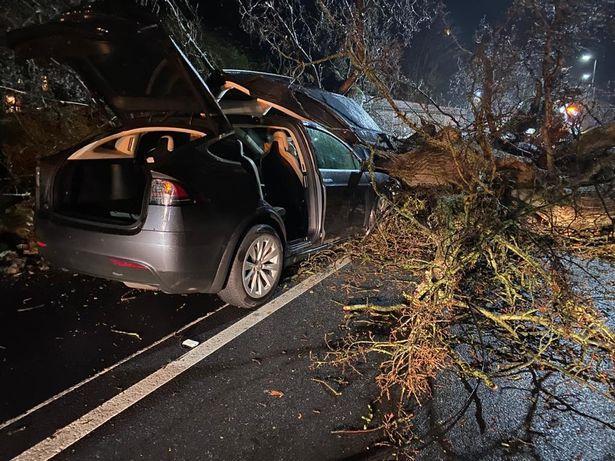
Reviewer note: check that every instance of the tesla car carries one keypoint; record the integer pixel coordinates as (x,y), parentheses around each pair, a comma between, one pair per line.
(204,187)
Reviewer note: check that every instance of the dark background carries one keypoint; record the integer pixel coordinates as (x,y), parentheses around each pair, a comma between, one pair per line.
(222,17)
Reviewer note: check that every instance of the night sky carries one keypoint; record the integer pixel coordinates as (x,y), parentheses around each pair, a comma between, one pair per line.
(465,16)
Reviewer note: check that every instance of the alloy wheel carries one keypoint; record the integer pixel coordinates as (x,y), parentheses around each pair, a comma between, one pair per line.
(261,266)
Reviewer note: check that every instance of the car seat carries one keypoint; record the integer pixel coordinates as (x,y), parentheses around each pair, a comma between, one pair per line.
(283,184)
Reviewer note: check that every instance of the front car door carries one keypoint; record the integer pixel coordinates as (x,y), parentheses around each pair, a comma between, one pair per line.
(345,197)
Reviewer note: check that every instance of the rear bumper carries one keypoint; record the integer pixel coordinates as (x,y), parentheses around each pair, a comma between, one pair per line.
(174,262)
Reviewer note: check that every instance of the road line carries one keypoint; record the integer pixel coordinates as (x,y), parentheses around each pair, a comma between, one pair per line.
(108,369)
(68,435)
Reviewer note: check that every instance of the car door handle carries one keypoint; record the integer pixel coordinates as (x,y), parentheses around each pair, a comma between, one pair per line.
(327,180)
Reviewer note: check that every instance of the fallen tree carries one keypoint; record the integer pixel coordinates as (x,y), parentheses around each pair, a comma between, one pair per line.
(582,197)
(484,225)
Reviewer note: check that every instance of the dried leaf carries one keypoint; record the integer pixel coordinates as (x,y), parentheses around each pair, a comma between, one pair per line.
(274,393)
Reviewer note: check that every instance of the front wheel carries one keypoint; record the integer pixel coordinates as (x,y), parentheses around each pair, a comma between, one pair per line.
(378,210)
(256,268)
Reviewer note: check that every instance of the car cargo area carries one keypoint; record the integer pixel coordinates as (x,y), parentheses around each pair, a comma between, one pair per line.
(106,181)
(105,190)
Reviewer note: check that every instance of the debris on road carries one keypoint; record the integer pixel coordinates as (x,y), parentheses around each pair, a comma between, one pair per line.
(190,343)
(127,333)
(327,386)
(274,393)
(128,296)
(31,308)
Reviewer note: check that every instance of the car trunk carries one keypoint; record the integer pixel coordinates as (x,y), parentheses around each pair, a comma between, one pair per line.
(127,60)
(109,191)
(107,181)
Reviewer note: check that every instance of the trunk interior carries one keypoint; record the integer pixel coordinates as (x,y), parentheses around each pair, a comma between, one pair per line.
(106,182)
(105,190)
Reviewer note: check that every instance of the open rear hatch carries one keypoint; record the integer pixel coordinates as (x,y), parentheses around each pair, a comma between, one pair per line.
(126,59)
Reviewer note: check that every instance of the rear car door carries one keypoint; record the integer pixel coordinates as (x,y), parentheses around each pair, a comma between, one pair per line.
(345,194)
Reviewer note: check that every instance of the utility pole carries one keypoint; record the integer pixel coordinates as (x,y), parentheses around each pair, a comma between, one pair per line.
(594,80)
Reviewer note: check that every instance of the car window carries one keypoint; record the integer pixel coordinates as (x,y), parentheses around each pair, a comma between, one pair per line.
(331,154)
(257,135)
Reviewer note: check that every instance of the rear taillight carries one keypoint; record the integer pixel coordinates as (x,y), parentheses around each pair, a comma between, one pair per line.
(167,193)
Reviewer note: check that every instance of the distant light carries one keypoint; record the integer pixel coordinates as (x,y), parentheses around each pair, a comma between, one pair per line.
(572,110)
(586,57)
(447,31)
(586,76)
(12,103)
(530,131)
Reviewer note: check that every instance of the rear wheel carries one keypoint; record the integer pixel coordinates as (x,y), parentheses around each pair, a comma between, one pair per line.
(256,269)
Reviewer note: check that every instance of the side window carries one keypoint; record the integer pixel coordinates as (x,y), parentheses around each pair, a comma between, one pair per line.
(331,154)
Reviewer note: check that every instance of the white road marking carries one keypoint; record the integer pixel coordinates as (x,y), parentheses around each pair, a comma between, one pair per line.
(68,435)
(106,370)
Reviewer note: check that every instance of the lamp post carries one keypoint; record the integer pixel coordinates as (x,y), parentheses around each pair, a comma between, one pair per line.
(587,57)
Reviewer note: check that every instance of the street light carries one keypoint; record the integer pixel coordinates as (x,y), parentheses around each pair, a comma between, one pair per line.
(587,57)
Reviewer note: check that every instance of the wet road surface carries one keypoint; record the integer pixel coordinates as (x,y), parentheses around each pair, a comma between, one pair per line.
(258,397)
(57,329)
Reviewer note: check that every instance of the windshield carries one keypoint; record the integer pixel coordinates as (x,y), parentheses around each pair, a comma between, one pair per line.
(349,109)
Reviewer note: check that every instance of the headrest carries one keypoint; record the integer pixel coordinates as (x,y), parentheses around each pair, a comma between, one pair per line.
(170,142)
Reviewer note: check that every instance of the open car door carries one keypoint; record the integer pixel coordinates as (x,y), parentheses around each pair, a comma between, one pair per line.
(279,92)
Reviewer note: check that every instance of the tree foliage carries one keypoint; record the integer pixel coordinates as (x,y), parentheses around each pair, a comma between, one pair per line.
(330,43)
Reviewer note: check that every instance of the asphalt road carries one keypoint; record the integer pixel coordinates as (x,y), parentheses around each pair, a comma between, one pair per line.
(58,328)
(259,396)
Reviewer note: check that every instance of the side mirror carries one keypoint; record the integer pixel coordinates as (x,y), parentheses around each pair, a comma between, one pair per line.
(385,140)
(355,178)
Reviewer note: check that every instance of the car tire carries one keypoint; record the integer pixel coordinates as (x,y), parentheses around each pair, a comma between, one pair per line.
(261,251)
